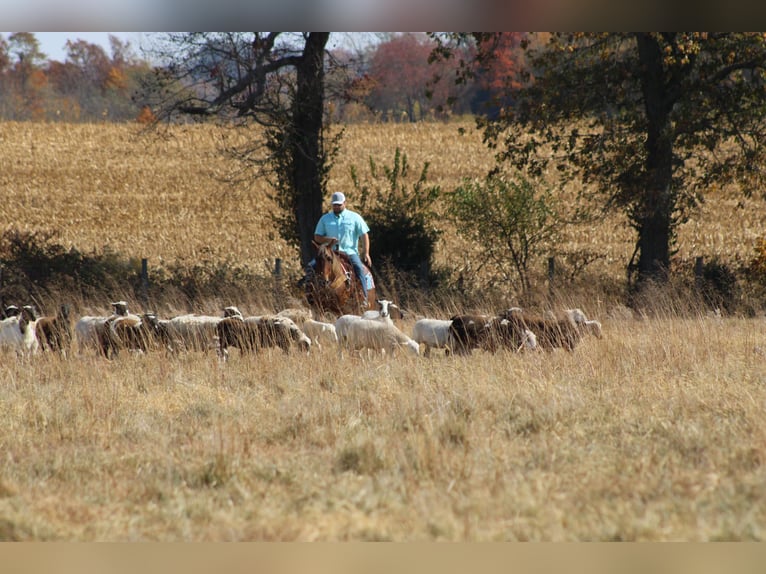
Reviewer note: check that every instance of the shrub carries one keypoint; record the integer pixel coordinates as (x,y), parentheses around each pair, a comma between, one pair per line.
(401,216)
(512,220)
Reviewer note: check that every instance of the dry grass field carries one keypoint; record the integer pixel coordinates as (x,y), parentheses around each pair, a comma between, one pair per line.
(657,432)
(166,198)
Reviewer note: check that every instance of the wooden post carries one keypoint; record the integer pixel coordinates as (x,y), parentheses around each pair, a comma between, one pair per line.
(278,282)
(145,281)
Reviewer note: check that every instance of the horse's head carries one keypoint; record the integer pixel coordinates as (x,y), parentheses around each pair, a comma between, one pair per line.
(326,263)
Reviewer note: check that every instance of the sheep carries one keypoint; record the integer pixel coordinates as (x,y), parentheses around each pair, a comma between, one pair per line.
(155,332)
(549,333)
(10,311)
(433,333)
(513,335)
(54,332)
(342,325)
(589,326)
(316,331)
(120,308)
(232,332)
(253,333)
(357,333)
(298,315)
(89,331)
(94,330)
(281,332)
(17,333)
(384,313)
(319,332)
(135,333)
(232,311)
(471,332)
(193,332)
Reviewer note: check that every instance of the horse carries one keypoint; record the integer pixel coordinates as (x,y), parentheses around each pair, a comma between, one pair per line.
(334,286)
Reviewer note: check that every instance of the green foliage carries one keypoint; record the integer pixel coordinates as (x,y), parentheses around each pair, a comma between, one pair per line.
(400,214)
(650,120)
(512,221)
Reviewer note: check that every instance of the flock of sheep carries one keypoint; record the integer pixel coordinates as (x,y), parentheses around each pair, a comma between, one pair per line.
(26,333)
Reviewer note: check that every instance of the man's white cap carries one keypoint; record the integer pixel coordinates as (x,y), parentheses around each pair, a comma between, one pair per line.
(338,198)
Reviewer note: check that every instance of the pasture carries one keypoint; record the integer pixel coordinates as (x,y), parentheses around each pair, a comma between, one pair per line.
(654,433)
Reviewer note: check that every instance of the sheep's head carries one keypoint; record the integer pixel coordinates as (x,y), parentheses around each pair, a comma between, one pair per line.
(120,308)
(11,311)
(231,311)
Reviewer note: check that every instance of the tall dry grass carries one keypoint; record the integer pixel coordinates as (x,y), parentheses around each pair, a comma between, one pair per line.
(655,432)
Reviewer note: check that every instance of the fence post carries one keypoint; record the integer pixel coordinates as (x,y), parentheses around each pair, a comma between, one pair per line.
(278,282)
(145,281)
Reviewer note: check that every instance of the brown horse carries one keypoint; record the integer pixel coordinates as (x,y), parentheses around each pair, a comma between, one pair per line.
(334,287)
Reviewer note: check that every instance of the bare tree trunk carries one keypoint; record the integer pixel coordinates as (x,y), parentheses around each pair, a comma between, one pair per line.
(307,152)
(653,216)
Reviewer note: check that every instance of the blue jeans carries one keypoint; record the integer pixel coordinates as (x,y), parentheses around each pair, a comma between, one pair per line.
(356,261)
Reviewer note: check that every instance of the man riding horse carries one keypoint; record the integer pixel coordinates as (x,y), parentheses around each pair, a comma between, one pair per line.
(342,229)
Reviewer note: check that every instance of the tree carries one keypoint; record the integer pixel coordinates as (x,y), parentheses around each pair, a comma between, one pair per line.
(274,79)
(498,77)
(27,80)
(399,69)
(89,84)
(653,120)
(511,220)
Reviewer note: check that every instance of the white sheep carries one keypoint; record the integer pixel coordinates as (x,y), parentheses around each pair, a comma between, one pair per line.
(89,331)
(193,332)
(343,324)
(319,332)
(586,325)
(384,313)
(529,340)
(433,333)
(356,333)
(297,314)
(18,333)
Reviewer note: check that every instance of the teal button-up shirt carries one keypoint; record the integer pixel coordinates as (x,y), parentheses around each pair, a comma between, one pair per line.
(347,227)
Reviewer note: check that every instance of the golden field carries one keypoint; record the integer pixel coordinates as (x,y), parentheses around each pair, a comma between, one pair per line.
(654,433)
(165,196)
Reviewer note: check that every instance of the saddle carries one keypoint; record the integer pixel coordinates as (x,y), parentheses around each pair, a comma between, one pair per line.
(348,270)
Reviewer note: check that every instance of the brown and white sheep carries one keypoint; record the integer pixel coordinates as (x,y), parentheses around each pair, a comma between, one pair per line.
(251,334)
(18,334)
